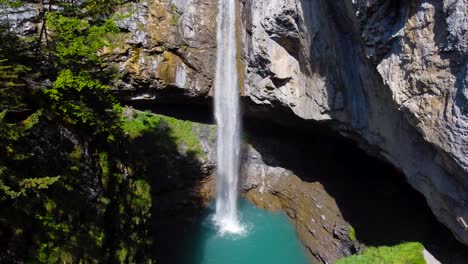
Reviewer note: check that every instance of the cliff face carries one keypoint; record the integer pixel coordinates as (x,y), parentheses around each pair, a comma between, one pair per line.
(391,75)
(169,50)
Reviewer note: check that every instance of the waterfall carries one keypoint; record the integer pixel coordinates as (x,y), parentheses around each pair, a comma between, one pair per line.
(228,120)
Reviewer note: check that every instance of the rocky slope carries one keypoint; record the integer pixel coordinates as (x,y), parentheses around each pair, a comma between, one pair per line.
(389,74)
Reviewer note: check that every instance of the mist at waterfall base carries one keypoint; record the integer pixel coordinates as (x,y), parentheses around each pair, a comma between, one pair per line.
(269,237)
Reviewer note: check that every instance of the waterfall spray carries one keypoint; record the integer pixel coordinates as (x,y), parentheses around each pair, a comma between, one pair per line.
(228,120)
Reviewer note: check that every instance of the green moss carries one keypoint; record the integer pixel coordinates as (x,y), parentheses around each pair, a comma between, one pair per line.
(104,163)
(142,200)
(213,134)
(175,15)
(75,154)
(184,47)
(135,126)
(183,133)
(406,253)
(352,233)
(116,41)
(180,131)
(167,68)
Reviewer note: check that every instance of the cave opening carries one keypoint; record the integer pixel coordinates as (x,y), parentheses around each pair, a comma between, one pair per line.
(372,195)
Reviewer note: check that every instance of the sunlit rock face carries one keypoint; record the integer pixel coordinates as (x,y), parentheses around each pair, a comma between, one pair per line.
(169,47)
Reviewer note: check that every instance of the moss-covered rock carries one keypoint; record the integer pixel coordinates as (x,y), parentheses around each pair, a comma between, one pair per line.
(180,131)
(406,253)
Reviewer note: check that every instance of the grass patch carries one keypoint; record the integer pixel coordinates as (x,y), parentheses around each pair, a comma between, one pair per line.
(352,233)
(180,131)
(406,253)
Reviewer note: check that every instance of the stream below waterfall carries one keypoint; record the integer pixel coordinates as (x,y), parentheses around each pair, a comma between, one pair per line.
(269,238)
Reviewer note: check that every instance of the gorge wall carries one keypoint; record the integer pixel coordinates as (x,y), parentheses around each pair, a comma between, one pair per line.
(390,75)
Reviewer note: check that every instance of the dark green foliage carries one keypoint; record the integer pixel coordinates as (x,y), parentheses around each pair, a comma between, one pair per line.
(8,75)
(15,183)
(352,233)
(101,8)
(79,93)
(67,193)
(11,3)
(11,86)
(77,178)
(77,41)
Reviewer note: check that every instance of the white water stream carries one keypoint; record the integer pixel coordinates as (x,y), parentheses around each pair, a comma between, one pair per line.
(228,120)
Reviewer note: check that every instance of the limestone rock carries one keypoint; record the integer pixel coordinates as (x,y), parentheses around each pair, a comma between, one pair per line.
(170,45)
(315,214)
(389,74)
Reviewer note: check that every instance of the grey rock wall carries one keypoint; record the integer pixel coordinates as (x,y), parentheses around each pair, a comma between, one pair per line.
(391,74)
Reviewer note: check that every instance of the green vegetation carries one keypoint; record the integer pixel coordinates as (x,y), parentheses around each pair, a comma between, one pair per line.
(179,131)
(406,253)
(77,177)
(11,3)
(184,47)
(352,233)
(175,15)
(68,193)
(79,93)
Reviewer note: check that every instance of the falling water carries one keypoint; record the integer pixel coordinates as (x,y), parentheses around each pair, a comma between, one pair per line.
(227,118)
